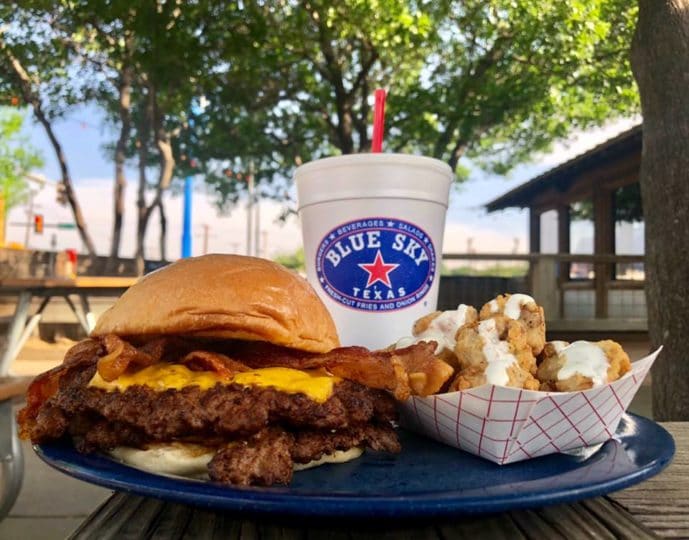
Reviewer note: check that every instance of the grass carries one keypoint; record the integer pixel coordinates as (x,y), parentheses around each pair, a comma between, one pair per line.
(496,270)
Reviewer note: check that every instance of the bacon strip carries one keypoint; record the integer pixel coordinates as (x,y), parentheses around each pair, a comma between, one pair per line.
(412,370)
(386,370)
(121,354)
(41,389)
(46,385)
(213,361)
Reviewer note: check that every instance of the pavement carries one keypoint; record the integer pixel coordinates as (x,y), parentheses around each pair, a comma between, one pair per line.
(51,505)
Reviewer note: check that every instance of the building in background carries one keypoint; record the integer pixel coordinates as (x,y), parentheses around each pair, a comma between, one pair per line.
(586,235)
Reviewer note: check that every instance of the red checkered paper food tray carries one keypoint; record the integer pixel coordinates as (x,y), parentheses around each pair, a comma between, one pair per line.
(505,425)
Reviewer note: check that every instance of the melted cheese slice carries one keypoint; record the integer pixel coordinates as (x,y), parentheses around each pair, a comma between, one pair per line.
(316,384)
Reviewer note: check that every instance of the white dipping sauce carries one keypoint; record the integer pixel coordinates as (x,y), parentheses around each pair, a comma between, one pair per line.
(559,346)
(585,358)
(442,330)
(514,304)
(406,341)
(496,352)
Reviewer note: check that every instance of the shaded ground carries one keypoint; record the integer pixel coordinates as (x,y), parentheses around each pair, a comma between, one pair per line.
(51,505)
(38,356)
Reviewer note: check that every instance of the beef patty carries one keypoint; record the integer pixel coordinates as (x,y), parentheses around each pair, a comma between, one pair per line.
(259,432)
(224,410)
(268,457)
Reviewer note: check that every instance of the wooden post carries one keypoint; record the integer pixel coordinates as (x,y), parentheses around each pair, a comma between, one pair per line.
(563,246)
(563,237)
(604,243)
(534,230)
(544,286)
(534,245)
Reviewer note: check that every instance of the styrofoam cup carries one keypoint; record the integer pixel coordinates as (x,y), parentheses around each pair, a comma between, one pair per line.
(373,231)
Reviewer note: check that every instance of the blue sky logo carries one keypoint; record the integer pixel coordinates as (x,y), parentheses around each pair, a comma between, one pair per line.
(376,264)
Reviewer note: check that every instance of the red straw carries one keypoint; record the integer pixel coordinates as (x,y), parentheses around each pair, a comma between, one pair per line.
(378,121)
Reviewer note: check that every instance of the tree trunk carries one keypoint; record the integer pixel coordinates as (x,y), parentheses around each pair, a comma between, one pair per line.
(144,135)
(120,157)
(166,166)
(660,61)
(345,141)
(456,154)
(30,97)
(163,230)
(166,169)
(362,122)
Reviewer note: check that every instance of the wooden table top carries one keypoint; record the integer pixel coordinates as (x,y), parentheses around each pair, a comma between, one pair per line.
(662,502)
(79,283)
(657,507)
(13,386)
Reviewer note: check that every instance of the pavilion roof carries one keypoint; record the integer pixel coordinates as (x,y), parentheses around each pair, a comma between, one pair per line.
(562,176)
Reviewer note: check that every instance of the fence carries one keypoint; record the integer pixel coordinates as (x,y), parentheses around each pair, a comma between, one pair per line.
(29,263)
(475,290)
(599,302)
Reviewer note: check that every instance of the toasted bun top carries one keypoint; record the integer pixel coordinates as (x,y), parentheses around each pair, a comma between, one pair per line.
(226,297)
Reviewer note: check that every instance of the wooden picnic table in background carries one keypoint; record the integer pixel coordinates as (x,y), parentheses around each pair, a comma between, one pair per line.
(22,325)
(656,507)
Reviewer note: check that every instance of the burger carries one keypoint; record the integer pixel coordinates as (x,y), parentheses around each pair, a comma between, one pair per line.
(227,367)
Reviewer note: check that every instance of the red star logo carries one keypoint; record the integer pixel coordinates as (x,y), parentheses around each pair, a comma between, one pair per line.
(378,271)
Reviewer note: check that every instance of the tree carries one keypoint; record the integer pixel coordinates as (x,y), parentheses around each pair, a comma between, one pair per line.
(507,78)
(33,69)
(488,82)
(660,58)
(102,39)
(17,158)
(181,55)
(145,65)
(294,261)
(493,80)
(108,38)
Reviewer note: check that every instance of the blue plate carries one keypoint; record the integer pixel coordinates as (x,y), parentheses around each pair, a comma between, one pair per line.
(427,479)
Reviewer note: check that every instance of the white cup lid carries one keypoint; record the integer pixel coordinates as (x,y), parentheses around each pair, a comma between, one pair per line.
(364,176)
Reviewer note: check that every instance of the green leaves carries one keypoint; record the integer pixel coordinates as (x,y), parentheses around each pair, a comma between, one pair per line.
(17,158)
(514,76)
(487,83)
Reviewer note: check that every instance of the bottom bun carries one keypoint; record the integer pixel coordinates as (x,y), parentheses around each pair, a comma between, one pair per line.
(191,460)
(179,459)
(338,456)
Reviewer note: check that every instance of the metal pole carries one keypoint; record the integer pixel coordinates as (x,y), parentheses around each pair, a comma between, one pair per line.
(264,243)
(53,254)
(15,330)
(257,233)
(249,208)
(206,228)
(186,228)
(29,222)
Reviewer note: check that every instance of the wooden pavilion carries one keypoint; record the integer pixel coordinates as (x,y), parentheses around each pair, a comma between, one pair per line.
(596,184)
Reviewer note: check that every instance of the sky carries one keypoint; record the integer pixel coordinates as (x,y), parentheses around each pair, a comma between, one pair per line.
(83,136)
